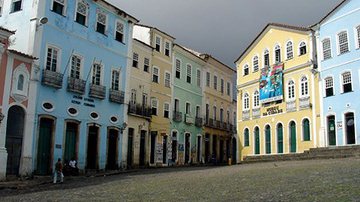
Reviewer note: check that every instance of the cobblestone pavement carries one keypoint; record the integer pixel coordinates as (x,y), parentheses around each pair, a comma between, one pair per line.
(311,180)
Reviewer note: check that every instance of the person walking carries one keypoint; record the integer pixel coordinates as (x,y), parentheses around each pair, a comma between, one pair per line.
(58,171)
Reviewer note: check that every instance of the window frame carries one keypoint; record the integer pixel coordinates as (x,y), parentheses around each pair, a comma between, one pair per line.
(198,78)
(256,99)
(222,86)
(357,36)
(246,101)
(228,88)
(253,63)
(156,43)
(58,57)
(246,71)
(165,49)
(291,93)
(338,42)
(12,6)
(135,60)
(118,21)
(342,81)
(300,47)
(153,74)
(288,52)
(326,87)
(188,73)
(167,82)
(63,12)
(215,82)
(166,109)
(277,50)
(304,84)
(246,137)
(87,12)
(329,49)
(156,107)
(80,67)
(101,74)
(308,138)
(100,12)
(113,83)
(208,79)
(266,53)
(178,68)
(146,64)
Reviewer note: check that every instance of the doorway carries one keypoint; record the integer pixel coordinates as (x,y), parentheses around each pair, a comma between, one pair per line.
(187,148)
(214,148)
(257,140)
(92,147)
(142,148)
(207,148)
(153,146)
(268,139)
(292,137)
(331,130)
(130,150)
(198,149)
(174,145)
(71,134)
(164,157)
(234,151)
(44,157)
(221,150)
(14,139)
(280,139)
(112,150)
(350,128)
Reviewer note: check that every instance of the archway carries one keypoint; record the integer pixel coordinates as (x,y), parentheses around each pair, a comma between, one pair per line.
(280,139)
(331,130)
(257,140)
(268,139)
(44,157)
(292,136)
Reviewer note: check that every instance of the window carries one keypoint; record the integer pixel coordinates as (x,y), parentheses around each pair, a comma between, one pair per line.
(157,43)
(146,64)
(343,42)
(208,79)
(246,137)
(346,79)
(222,86)
(246,102)
(101,23)
(58,6)
(115,78)
(178,68)
(166,110)
(228,88)
(96,74)
(329,86)
(75,67)
(154,106)
(176,105)
(52,59)
(167,79)
(222,115)
(215,82)
(81,12)
(144,99)
(20,84)
(133,97)
(167,48)
(266,58)
(304,86)
(302,48)
(228,117)
(198,78)
(306,129)
(246,70)
(188,73)
(155,76)
(135,61)
(119,32)
(289,50)
(187,108)
(358,36)
(277,54)
(291,90)
(16,6)
(197,112)
(256,99)
(214,108)
(326,46)
(256,63)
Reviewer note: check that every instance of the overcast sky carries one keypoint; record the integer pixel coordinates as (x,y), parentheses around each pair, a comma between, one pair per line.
(222,28)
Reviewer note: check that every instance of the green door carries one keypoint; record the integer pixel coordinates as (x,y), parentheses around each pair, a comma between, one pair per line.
(292,137)
(70,141)
(280,139)
(331,130)
(44,146)
(257,141)
(268,139)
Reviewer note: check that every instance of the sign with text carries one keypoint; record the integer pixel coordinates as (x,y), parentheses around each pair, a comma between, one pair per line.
(271,84)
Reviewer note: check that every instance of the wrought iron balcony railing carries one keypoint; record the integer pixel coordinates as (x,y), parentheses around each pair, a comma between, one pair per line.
(177,116)
(139,109)
(97,91)
(52,79)
(116,96)
(76,85)
(198,122)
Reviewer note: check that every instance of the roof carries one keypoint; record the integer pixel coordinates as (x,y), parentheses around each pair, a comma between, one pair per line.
(189,51)
(298,28)
(142,25)
(331,12)
(145,44)
(120,12)
(6,30)
(206,56)
(22,54)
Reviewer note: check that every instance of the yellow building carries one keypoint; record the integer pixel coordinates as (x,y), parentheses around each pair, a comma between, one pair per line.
(139,112)
(219,110)
(277,85)
(160,93)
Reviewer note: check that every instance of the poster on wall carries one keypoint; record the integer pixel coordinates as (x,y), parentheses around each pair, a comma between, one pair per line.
(271,84)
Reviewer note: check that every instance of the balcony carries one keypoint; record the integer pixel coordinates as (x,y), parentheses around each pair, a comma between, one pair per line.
(52,79)
(116,96)
(177,116)
(304,103)
(256,113)
(211,123)
(189,119)
(291,106)
(225,126)
(198,122)
(246,115)
(218,124)
(97,91)
(139,110)
(76,85)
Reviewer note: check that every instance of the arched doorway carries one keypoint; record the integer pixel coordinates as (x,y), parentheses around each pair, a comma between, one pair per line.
(280,138)
(331,130)
(187,148)
(14,139)
(268,139)
(142,148)
(257,140)
(292,128)
(44,154)
(71,137)
(350,128)
(112,149)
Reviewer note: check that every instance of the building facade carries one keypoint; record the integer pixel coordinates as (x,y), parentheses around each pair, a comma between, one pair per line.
(187,121)
(139,110)
(278,107)
(338,39)
(219,111)
(17,105)
(80,111)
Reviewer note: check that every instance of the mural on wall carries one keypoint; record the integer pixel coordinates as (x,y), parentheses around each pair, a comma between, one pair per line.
(271,84)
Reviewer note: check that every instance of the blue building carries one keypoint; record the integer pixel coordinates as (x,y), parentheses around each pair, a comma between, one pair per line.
(83,48)
(338,40)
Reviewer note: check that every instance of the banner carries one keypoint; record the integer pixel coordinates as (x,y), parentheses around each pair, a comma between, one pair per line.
(271,84)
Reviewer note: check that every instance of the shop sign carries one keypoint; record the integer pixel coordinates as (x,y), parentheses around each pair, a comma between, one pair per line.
(272,111)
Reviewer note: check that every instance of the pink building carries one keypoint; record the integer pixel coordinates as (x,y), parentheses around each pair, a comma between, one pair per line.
(17,103)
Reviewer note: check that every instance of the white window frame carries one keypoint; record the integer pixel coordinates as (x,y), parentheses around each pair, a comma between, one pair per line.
(167,80)
(288,91)
(253,63)
(208,79)
(357,36)
(178,68)
(338,42)
(106,21)
(246,67)
(277,47)
(156,107)
(222,86)
(304,84)
(64,4)
(168,109)
(160,43)
(322,48)
(299,47)
(287,52)
(133,96)
(228,88)
(246,101)
(58,58)
(264,53)
(116,30)
(215,84)
(101,73)
(87,11)
(135,58)
(342,80)
(147,64)
(1,7)
(153,73)
(20,70)
(12,6)
(111,79)
(188,104)
(188,73)
(165,42)
(198,77)
(326,87)
(256,99)
(81,64)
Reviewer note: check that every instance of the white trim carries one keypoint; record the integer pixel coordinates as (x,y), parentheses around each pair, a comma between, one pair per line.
(115,30)
(341,79)
(307,86)
(72,115)
(81,64)
(277,137)
(254,149)
(302,128)
(357,36)
(167,72)
(47,110)
(152,74)
(176,58)
(274,56)
(344,126)
(168,110)
(296,136)
(322,48)
(292,47)
(58,59)
(264,145)
(186,132)
(298,49)
(87,11)
(337,41)
(326,129)
(252,62)
(64,4)
(95,119)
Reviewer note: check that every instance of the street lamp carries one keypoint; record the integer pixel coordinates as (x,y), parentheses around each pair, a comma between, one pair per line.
(123,127)
(1,117)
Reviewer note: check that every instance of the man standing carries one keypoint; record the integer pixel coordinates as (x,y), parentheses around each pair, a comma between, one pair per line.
(58,171)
